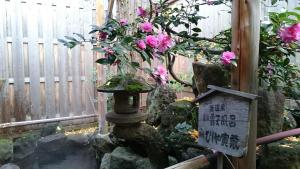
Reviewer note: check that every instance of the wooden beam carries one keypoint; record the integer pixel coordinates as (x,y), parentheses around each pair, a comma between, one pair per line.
(194,163)
(245,43)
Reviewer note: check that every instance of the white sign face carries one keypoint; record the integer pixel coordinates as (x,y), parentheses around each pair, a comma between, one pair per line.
(224,123)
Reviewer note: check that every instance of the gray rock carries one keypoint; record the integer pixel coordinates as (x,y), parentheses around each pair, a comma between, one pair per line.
(105,162)
(6,150)
(192,152)
(78,140)
(209,74)
(177,112)
(157,102)
(51,148)
(172,160)
(9,166)
(51,143)
(49,129)
(102,143)
(145,140)
(124,158)
(144,163)
(25,146)
(284,154)
(270,112)
(289,121)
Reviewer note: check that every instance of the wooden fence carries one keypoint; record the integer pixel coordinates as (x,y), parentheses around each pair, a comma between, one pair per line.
(43,78)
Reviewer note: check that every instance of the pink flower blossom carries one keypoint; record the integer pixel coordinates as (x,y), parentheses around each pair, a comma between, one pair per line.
(161,73)
(141,44)
(141,12)
(290,34)
(165,42)
(152,41)
(123,22)
(108,51)
(227,57)
(102,35)
(146,27)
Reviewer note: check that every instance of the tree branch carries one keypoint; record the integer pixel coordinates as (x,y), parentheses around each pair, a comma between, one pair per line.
(171,61)
(194,38)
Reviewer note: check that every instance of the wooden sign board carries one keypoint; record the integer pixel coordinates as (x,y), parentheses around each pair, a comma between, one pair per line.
(224,120)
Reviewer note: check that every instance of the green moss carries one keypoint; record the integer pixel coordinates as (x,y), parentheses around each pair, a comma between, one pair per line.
(6,150)
(127,82)
(284,154)
(134,87)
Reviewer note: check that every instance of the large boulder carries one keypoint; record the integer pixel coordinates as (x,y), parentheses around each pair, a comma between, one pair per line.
(209,74)
(293,106)
(6,150)
(157,102)
(289,121)
(102,143)
(25,145)
(177,112)
(145,140)
(124,158)
(284,154)
(51,148)
(9,166)
(270,112)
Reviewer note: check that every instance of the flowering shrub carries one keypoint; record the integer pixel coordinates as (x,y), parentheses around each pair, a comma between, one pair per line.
(279,42)
(150,36)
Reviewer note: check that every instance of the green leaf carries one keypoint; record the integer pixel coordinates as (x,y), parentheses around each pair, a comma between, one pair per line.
(127,39)
(135,64)
(71,38)
(186,25)
(103,61)
(62,41)
(281,49)
(196,29)
(286,61)
(79,35)
(273,2)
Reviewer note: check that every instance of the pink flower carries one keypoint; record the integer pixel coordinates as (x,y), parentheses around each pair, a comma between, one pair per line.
(108,51)
(141,44)
(141,12)
(165,42)
(227,57)
(123,22)
(152,41)
(146,27)
(161,73)
(290,34)
(102,35)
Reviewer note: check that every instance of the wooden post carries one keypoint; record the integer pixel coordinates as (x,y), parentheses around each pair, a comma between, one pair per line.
(100,17)
(220,160)
(245,43)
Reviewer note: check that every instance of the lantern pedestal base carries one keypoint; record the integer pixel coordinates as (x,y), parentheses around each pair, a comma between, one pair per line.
(125,119)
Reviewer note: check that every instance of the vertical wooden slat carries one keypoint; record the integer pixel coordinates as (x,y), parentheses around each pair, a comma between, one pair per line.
(100,70)
(3,68)
(76,82)
(34,61)
(18,60)
(88,60)
(62,57)
(49,60)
